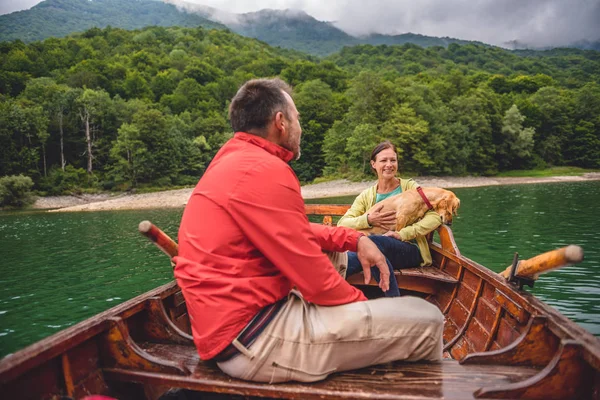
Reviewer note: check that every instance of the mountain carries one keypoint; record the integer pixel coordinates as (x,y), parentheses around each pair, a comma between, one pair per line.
(58,18)
(291,29)
(297,30)
(294,29)
(414,38)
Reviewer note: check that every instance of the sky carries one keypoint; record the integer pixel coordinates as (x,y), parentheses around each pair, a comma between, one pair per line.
(535,22)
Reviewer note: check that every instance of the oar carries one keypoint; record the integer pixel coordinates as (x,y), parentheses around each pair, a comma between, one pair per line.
(160,239)
(548,261)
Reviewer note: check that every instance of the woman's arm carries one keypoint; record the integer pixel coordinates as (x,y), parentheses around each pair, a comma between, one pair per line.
(430,221)
(355,217)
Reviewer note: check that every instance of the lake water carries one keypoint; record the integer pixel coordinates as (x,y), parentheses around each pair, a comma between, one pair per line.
(57,269)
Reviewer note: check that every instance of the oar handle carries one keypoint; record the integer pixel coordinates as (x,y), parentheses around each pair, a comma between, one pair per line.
(545,262)
(160,239)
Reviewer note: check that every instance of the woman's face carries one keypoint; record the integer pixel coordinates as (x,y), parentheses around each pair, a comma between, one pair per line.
(385,164)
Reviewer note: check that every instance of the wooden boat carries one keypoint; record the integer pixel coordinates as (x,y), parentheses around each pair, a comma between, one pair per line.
(500,342)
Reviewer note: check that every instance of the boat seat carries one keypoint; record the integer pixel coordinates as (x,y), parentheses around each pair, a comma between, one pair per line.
(421,279)
(426,280)
(447,379)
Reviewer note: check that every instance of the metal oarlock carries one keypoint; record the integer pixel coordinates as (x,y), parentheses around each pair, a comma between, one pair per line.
(516,279)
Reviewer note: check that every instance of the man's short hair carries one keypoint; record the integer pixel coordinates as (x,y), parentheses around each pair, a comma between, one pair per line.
(256,103)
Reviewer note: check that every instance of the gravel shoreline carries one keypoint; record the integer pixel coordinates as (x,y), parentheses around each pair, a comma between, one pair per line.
(178,198)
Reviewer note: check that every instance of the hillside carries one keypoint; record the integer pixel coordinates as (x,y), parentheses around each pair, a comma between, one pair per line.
(59,18)
(111,108)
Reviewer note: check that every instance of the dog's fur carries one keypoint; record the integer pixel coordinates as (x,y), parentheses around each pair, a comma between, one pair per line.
(410,207)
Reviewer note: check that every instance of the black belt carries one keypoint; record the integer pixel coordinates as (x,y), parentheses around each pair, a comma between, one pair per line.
(251,331)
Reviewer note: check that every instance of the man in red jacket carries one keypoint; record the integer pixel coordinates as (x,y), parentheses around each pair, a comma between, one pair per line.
(265,301)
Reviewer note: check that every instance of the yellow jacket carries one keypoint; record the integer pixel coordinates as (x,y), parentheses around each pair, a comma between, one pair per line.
(356,218)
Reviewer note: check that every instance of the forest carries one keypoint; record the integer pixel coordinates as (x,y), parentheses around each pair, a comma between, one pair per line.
(111,109)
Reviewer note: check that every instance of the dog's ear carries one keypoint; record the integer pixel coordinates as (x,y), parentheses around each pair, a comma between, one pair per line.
(442,205)
(455,205)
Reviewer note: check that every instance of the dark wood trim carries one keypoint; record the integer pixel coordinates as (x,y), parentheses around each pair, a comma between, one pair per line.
(472,309)
(535,347)
(567,376)
(494,330)
(158,325)
(68,375)
(121,351)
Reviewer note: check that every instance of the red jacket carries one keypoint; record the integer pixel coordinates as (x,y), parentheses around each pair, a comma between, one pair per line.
(245,241)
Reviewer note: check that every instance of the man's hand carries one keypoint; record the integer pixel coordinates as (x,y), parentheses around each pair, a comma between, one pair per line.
(393,234)
(369,255)
(385,220)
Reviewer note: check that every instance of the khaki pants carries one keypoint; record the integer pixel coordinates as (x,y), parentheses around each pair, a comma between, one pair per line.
(306,342)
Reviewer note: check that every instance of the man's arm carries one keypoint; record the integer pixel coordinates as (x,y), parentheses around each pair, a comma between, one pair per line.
(346,239)
(269,209)
(335,238)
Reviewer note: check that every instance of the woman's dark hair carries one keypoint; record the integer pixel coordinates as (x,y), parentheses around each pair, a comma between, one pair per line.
(382,146)
(256,102)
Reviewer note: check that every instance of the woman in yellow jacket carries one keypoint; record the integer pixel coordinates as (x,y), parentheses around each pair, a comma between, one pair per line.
(407,247)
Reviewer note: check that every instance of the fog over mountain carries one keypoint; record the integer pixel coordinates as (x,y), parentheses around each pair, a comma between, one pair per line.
(530,23)
(525,23)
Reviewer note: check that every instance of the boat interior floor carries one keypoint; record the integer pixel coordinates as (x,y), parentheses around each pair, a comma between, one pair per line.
(447,379)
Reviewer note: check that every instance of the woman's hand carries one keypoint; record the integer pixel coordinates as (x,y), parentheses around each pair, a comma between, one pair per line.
(385,219)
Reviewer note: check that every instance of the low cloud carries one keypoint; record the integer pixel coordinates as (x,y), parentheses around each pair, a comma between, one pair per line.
(534,22)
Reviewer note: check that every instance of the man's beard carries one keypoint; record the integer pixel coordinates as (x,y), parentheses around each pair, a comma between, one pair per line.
(290,146)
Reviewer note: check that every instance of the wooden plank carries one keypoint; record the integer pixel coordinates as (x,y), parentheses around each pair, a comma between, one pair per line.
(326,209)
(422,279)
(396,380)
(567,376)
(534,348)
(470,315)
(507,333)
(476,335)
(485,314)
(429,272)
(511,307)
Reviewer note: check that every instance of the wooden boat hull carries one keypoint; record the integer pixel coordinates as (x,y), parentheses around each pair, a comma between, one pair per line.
(500,342)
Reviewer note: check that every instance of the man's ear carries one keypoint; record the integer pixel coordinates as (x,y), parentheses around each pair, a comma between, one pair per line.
(280,121)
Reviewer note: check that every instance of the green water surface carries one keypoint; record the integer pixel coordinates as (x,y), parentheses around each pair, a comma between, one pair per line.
(57,269)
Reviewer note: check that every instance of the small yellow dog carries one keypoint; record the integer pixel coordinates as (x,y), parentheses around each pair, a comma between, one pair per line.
(410,206)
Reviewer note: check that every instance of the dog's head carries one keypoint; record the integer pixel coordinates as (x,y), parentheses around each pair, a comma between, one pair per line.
(447,207)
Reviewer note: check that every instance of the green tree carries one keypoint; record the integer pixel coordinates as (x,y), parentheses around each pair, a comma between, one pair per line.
(334,148)
(552,120)
(360,145)
(517,145)
(56,100)
(128,154)
(408,132)
(15,191)
(319,108)
(91,104)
